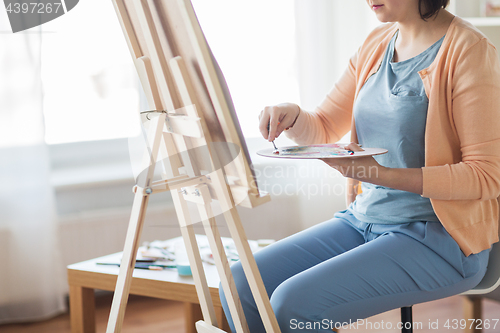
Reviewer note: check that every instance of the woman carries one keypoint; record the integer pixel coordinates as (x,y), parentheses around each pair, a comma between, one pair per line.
(425,86)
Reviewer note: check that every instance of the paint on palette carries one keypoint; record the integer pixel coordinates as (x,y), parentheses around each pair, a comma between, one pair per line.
(327,150)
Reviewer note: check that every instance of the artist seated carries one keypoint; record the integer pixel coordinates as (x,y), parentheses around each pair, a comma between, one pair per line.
(426,87)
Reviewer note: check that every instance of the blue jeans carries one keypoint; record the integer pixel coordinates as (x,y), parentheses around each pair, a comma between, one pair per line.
(343,270)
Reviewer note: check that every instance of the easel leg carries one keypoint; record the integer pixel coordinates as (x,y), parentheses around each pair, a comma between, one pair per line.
(127,264)
(246,256)
(251,271)
(134,232)
(194,256)
(203,201)
(223,268)
(82,309)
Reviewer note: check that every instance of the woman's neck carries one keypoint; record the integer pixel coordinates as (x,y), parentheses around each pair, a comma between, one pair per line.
(414,30)
(416,35)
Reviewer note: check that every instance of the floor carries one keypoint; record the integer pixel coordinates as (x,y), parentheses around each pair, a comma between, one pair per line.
(154,315)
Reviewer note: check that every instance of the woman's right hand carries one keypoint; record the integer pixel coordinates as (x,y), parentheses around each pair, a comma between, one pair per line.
(273,120)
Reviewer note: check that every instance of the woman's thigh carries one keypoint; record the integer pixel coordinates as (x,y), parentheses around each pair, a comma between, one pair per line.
(290,256)
(391,271)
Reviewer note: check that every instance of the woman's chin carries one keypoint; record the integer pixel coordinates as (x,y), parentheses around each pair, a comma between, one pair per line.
(383,18)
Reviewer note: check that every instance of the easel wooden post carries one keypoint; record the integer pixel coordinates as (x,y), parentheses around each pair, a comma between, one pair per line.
(176,133)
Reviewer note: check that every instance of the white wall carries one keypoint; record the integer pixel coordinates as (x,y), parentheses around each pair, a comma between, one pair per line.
(328,33)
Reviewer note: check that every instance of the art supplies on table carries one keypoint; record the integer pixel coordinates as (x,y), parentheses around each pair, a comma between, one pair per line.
(333,150)
(153,266)
(170,254)
(181,258)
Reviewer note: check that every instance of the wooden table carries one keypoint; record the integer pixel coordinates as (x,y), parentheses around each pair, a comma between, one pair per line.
(86,276)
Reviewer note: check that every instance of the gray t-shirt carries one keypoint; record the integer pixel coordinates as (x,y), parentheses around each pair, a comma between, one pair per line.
(390,112)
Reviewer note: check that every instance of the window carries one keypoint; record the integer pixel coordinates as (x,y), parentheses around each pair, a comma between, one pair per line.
(91,89)
(89,81)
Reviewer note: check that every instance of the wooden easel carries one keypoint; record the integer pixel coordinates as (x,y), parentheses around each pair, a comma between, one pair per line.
(177,128)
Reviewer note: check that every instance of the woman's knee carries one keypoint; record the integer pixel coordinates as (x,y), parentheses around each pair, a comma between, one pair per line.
(288,301)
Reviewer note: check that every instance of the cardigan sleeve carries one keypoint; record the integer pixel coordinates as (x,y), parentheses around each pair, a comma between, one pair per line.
(331,120)
(476,118)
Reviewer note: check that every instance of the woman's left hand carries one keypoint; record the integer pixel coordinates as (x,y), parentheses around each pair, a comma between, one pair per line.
(364,168)
(367,169)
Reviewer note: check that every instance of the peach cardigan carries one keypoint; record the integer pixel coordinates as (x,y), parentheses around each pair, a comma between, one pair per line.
(462,138)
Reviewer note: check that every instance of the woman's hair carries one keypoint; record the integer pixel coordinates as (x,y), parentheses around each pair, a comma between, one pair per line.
(431,7)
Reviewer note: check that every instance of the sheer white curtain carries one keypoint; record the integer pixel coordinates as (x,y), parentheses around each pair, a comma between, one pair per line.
(328,33)
(32,280)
